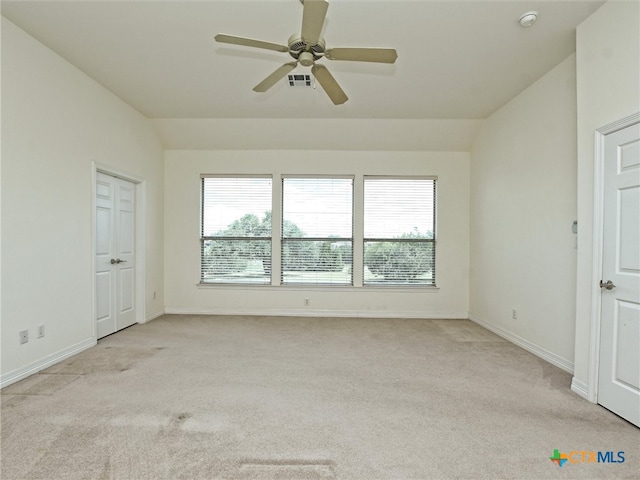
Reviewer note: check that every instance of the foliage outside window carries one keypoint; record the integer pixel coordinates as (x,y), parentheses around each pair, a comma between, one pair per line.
(236,230)
(317,230)
(399,231)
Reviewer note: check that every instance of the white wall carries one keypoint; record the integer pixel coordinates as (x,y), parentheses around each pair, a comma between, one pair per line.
(56,122)
(182,260)
(523,204)
(365,134)
(608,66)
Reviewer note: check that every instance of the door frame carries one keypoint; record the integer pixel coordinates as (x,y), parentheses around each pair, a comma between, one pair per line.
(140,243)
(598,247)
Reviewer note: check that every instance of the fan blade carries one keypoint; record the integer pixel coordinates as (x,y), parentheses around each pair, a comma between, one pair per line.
(272,79)
(250,42)
(329,84)
(313,19)
(377,55)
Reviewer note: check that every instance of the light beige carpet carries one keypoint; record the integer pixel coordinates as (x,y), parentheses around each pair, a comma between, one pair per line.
(197,397)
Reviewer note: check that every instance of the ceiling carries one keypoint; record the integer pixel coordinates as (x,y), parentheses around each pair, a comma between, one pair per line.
(457,60)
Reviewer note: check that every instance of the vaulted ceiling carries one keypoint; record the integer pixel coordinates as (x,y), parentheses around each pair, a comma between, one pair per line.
(457,60)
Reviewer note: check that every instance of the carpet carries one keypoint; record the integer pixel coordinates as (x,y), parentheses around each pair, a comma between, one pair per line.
(224,397)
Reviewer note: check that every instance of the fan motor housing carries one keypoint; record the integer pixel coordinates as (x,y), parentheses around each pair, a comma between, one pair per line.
(306,52)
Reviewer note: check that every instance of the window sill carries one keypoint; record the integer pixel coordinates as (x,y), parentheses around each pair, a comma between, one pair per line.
(308,288)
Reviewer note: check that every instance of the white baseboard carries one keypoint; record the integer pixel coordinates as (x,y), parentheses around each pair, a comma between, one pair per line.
(530,347)
(315,313)
(34,367)
(153,316)
(580,388)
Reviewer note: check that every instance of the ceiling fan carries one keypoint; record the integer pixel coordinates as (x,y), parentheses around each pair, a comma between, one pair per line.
(307,47)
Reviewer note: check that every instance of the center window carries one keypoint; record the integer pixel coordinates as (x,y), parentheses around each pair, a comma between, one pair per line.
(317,230)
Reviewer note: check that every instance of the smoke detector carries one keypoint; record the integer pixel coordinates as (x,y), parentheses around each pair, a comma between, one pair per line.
(528,19)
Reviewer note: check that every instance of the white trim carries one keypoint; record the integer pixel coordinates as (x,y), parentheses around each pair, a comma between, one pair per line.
(314,313)
(39,365)
(141,251)
(591,388)
(580,388)
(153,316)
(620,124)
(100,167)
(94,312)
(299,287)
(530,347)
(141,235)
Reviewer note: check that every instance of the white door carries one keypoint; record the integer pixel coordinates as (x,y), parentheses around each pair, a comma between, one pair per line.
(619,365)
(115,254)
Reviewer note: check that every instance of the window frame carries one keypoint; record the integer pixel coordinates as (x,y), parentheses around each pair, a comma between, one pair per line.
(204,238)
(284,240)
(358,279)
(433,241)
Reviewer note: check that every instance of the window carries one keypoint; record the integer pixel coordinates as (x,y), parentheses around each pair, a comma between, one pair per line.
(399,231)
(317,230)
(313,231)
(235,232)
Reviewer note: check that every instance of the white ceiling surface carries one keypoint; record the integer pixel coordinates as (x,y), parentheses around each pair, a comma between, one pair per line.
(457,63)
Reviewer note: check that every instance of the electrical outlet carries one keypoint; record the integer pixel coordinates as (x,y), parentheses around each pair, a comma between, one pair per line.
(306,302)
(41,330)
(24,336)
(514,314)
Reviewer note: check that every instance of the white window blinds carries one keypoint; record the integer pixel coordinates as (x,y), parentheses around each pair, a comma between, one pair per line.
(399,231)
(236,230)
(317,230)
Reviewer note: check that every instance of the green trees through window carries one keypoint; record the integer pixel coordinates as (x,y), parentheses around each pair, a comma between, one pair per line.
(235,239)
(243,250)
(399,231)
(316,231)
(319,251)
(408,258)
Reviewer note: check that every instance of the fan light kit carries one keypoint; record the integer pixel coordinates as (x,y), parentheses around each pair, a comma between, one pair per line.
(308,47)
(528,19)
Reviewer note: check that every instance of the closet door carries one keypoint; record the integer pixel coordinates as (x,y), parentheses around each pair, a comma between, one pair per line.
(115,254)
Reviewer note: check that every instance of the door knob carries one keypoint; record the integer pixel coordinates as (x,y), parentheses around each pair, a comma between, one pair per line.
(117,260)
(609,285)
(113,260)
